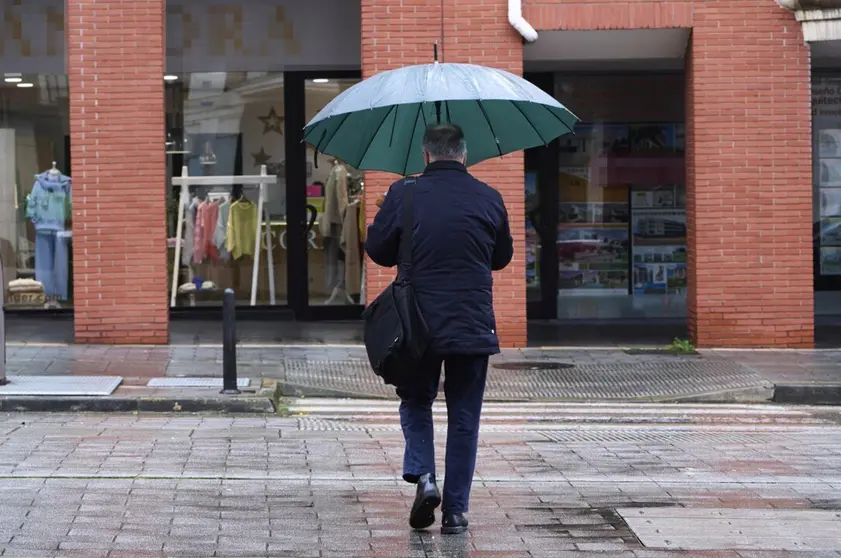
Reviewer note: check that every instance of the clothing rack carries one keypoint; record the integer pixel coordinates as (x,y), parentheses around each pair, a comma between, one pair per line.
(260,181)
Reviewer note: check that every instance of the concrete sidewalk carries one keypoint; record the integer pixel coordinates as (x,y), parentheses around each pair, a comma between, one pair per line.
(276,371)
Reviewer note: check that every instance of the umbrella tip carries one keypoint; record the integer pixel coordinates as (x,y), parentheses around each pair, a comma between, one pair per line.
(435,51)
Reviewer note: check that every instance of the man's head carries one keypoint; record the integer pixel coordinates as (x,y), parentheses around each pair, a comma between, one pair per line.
(444,142)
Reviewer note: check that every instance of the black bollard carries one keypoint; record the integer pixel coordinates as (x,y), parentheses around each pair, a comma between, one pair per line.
(229,344)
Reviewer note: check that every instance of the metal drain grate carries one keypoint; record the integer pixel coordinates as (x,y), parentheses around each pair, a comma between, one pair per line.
(659,436)
(533,366)
(193,382)
(654,378)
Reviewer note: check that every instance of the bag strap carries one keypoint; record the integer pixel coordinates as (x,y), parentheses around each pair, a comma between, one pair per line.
(408,225)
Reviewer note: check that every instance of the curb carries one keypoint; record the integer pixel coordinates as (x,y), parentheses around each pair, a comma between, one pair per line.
(285,389)
(808,394)
(42,404)
(755,394)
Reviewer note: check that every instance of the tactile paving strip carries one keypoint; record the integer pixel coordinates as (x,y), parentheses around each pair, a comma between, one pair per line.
(660,436)
(61,385)
(193,382)
(651,378)
(618,435)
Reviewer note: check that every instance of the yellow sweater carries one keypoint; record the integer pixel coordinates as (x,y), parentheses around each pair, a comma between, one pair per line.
(242,229)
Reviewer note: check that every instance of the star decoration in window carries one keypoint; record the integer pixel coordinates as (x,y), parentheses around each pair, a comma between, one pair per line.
(272,122)
(261,158)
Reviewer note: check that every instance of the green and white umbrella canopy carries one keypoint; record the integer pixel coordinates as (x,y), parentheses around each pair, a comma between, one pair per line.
(378,124)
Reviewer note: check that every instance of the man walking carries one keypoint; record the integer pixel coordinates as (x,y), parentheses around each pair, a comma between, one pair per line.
(460,234)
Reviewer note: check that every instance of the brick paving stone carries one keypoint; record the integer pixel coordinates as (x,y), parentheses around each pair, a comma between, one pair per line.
(541,493)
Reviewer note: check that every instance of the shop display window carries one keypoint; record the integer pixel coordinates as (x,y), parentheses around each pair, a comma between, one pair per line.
(230,124)
(226,124)
(35,184)
(621,229)
(35,192)
(826,161)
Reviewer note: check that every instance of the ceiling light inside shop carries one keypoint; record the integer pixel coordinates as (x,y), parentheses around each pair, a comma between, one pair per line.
(320,80)
(26,85)
(170,77)
(13,78)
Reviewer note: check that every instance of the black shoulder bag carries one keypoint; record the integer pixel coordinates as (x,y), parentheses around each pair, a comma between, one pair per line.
(395,333)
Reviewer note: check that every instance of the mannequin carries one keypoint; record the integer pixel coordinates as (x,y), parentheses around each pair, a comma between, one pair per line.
(331,226)
(48,207)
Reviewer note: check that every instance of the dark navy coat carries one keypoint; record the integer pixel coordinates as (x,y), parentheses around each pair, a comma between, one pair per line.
(461,234)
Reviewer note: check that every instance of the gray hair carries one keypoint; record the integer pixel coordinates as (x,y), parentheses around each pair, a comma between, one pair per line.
(444,142)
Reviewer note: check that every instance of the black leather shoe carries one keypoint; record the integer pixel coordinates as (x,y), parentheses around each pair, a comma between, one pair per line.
(453,524)
(427,499)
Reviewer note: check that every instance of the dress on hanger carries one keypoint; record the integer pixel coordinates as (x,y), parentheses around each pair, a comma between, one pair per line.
(242,229)
(189,232)
(206,217)
(335,202)
(220,234)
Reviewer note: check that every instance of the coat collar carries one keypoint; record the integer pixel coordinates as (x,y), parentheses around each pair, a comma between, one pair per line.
(445,165)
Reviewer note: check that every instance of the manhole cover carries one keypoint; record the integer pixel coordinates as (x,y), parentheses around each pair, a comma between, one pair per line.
(534,365)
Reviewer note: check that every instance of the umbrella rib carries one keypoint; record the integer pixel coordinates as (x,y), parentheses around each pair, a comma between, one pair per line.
(333,135)
(447,110)
(491,126)
(377,131)
(393,126)
(412,137)
(558,118)
(529,121)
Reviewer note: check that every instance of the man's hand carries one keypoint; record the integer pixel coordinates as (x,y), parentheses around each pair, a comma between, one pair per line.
(380,200)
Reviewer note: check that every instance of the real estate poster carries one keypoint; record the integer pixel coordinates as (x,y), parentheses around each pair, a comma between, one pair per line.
(657,228)
(830,203)
(593,258)
(652,138)
(659,278)
(830,231)
(658,223)
(592,238)
(830,263)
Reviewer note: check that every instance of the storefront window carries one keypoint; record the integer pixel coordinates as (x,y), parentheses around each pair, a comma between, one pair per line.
(826,157)
(226,68)
(35,185)
(227,124)
(621,236)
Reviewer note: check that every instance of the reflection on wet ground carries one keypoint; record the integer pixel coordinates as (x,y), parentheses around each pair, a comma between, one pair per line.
(560,481)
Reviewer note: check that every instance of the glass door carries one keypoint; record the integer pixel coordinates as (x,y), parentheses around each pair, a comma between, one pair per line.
(541,202)
(324,199)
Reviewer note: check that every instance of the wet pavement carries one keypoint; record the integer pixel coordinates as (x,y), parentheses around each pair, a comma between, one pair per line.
(527,374)
(522,374)
(326,359)
(553,480)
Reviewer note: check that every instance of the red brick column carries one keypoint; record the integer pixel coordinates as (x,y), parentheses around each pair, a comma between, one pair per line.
(398,34)
(749,190)
(116,63)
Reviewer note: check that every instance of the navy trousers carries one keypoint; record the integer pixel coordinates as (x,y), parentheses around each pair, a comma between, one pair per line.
(464,388)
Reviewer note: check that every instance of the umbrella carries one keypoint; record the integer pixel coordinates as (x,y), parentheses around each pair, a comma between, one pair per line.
(378,124)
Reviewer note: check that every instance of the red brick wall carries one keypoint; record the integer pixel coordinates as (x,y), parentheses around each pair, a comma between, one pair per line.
(750,181)
(116,62)
(610,14)
(398,34)
(749,174)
